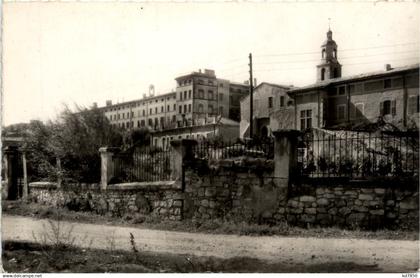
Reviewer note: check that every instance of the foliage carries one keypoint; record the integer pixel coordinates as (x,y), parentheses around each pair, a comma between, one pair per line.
(74,138)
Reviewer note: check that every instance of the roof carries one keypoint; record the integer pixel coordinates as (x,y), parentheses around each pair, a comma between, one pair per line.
(137,100)
(334,81)
(274,85)
(222,122)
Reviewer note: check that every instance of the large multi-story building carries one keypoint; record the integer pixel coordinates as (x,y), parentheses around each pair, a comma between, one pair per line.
(199,99)
(390,96)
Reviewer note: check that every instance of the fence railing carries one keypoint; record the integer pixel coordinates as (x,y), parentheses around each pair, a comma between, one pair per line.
(228,150)
(358,154)
(143,164)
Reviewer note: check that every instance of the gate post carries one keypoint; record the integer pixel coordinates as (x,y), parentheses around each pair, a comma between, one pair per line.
(11,172)
(25,176)
(107,165)
(182,152)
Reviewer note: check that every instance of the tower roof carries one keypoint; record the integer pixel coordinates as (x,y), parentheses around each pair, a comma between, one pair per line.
(329,39)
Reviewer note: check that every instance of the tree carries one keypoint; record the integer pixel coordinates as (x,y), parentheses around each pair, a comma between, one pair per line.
(76,139)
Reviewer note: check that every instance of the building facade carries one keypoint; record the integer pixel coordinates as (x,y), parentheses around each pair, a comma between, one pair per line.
(199,98)
(390,95)
(268,98)
(223,128)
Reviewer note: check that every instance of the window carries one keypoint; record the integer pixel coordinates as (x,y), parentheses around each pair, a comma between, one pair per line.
(210,94)
(185,108)
(221,110)
(335,72)
(180,95)
(388,107)
(168,108)
(189,108)
(210,109)
(142,123)
(305,119)
(132,114)
(150,111)
(221,97)
(156,111)
(413,104)
(323,53)
(200,108)
(341,112)
(341,91)
(270,102)
(174,107)
(221,85)
(322,74)
(161,109)
(150,122)
(200,93)
(173,120)
(189,94)
(185,94)
(180,109)
(387,83)
(281,101)
(335,53)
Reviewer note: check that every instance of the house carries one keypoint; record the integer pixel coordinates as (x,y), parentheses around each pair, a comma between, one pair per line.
(336,102)
(268,98)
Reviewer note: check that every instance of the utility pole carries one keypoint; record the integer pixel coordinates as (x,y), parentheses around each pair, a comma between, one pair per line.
(251,101)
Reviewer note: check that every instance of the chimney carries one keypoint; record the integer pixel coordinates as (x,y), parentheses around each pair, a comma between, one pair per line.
(95,105)
(108,102)
(388,67)
(199,70)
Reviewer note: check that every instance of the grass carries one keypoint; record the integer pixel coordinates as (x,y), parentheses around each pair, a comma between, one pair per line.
(30,258)
(216,226)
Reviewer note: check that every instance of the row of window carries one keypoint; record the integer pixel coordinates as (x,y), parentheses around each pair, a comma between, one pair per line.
(137,104)
(281,102)
(377,85)
(387,107)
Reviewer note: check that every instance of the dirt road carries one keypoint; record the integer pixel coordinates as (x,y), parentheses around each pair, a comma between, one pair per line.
(386,255)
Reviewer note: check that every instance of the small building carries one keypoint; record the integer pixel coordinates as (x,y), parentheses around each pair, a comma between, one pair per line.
(268,99)
(223,128)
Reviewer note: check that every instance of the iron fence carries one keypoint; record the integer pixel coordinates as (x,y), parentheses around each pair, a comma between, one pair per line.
(358,154)
(143,164)
(227,150)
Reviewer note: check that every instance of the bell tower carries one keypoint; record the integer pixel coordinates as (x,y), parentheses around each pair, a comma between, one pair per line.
(329,67)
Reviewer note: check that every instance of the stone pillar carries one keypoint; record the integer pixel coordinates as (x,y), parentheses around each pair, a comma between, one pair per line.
(25,176)
(285,153)
(182,152)
(107,165)
(11,172)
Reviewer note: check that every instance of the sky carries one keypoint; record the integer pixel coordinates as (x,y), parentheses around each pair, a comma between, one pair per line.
(81,53)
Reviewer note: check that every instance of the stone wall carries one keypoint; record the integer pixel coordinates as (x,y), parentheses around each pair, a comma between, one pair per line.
(159,199)
(247,191)
(363,205)
(241,190)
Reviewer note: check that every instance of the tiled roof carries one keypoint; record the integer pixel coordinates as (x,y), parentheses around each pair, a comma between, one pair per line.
(333,81)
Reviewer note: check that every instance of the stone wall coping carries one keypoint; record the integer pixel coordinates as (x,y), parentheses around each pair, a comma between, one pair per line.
(145,185)
(43,184)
